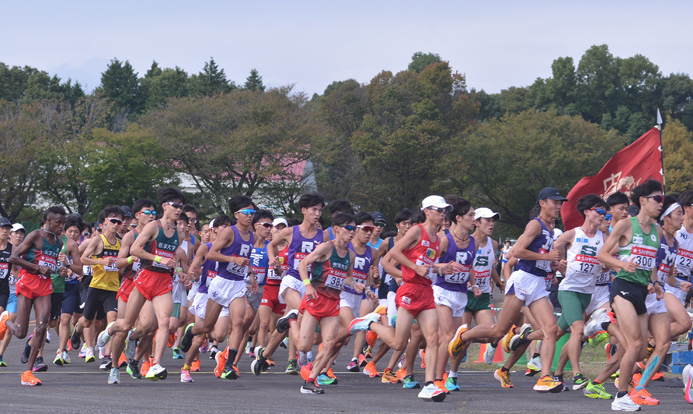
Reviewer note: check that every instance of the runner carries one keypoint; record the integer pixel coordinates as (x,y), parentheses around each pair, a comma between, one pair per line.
(17,233)
(638,243)
(527,287)
(155,246)
(38,257)
(676,289)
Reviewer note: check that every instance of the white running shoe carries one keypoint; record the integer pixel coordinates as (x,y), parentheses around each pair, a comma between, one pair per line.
(489,353)
(363,323)
(66,357)
(89,356)
(688,383)
(624,404)
(156,372)
(432,393)
(114,376)
(185,376)
(594,325)
(83,350)
(104,337)
(534,364)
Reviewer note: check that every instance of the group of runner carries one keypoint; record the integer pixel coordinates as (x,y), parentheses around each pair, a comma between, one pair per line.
(143,282)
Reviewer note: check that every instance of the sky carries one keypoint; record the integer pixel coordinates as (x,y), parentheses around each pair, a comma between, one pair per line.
(310,44)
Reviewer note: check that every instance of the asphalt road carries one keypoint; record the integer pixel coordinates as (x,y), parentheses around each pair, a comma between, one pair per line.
(81,387)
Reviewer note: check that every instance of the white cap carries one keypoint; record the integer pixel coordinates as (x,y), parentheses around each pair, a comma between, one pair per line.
(485,212)
(435,201)
(280,220)
(211,224)
(17,227)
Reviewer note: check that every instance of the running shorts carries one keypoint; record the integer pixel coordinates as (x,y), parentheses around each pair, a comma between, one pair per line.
(224,291)
(415,298)
(290,282)
(455,300)
(483,302)
(527,287)
(12,303)
(634,293)
(71,298)
(199,306)
(599,298)
(99,302)
(320,307)
(254,299)
(655,306)
(352,301)
(152,284)
(31,285)
(680,294)
(270,298)
(573,305)
(125,289)
(56,305)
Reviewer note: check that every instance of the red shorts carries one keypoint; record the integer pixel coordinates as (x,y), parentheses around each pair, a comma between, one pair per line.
(320,307)
(152,284)
(32,285)
(270,298)
(125,289)
(415,298)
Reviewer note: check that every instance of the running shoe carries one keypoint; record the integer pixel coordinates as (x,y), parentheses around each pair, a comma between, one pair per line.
(39,365)
(230,373)
(381,310)
(371,337)
(59,359)
(306,370)
(600,338)
(457,345)
(452,385)
(83,351)
(284,323)
(187,339)
(410,383)
(440,384)
(4,317)
(195,367)
(371,370)
(104,337)
(311,388)
(213,351)
(389,377)
(284,343)
(330,374)
(171,340)
(548,384)
(401,373)
(518,340)
(594,325)
(688,383)
(309,355)
(177,354)
(624,403)
(559,378)
(353,366)
(579,382)
(204,347)
(251,354)
(393,320)
(107,363)
(24,357)
(362,360)
(221,363)
(249,347)
(631,385)
(489,353)
(133,370)
(3,364)
(642,397)
(66,357)
(114,376)
(658,376)
(323,379)
(504,378)
(259,364)
(75,340)
(596,391)
(156,372)
(29,379)
(422,354)
(368,352)
(505,342)
(185,376)
(89,356)
(122,361)
(48,336)
(292,367)
(533,367)
(363,323)
(431,393)
(145,368)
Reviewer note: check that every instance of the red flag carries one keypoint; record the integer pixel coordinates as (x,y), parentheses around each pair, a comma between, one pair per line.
(627,169)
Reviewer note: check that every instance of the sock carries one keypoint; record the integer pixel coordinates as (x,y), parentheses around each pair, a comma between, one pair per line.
(428,383)
(621,394)
(536,355)
(352,359)
(186,367)
(387,370)
(135,362)
(439,379)
(452,374)
(596,382)
(504,369)
(232,357)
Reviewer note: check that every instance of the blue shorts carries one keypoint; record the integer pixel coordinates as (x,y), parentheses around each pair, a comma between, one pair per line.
(12,303)
(71,298)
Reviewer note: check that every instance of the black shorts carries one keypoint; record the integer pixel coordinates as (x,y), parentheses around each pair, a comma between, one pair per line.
(4,298)
(83,289)
(383,289)
(99,302)
(634,293)
(71,298)
(56,305)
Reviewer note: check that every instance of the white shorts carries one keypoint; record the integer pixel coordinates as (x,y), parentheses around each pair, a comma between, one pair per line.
(526,287)
(599,298)
(224,291)
(680,294)
(391,306)
(254,299)
(655,306)
(290,282)
(192,292)
(456,301)
(199,306)
(179,294)
(351,300)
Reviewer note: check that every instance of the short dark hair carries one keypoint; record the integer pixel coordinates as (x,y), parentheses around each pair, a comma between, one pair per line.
(55,210)
(617,198)
(293,221)
(190,208)
(668,201)
(418,217)
(460,208)
(142,203)
(238,202)
(112,210)
(222,219)
(644,189)
(310,199)
(363,217)
(261,214)
(686,198)
(183,217)
(589,201)
(403,215)
(166,194)
(339,205)
(343,218)
(74,221)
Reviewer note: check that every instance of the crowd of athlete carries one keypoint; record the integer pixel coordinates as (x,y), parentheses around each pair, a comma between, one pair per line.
(142,281)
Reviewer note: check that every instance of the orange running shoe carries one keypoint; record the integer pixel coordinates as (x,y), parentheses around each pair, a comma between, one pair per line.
(195,367)
(658,376)
(330,374)
(306,370)
(389,377)
(381,310)
(123,361)
(29,379)
(371,370)
(371,337)
(441,386)
(270,362)
(643,397)
(422,354)
(171,340)
(401,373)
(362,360)
(145,367)
(221,358)
(4,317)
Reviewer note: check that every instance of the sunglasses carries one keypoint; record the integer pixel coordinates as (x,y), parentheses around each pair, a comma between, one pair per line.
(174,204)
(607,217)
(246,211)
(116,221)
(599,211)
(439,209)
(266,225)
(86,234)
(348,227)
(380,224)
(148,212)
(657,198)
(367,229)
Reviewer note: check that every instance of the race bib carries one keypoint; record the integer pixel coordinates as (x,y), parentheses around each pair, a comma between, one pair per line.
(165,256)
(48,261)
(459,278)
(260,273)
(644,257)
(544,265)
(359,277)
(4,270)
(236,269)
(587,265)
(272,274)
(483,279)
(335,279)
(684,261)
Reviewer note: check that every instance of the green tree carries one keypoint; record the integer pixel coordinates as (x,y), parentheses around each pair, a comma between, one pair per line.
(212,80)
(254,81)
(121,87)
(420,61)
(677,148)
(160,85)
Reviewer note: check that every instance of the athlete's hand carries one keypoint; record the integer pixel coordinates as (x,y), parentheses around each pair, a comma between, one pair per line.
(62,272)
(44,270)
(241,261)
(358,287)
(370,295)
(254,287)
(477,292)
(561,266)
(685,286)
(450,268)
(310,292)
(63,258)
(659,291)
(170,263)
(422,270)
(554,255)
(276,265)
(629,267)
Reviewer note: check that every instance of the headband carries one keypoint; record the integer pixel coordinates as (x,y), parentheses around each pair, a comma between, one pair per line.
(670,209)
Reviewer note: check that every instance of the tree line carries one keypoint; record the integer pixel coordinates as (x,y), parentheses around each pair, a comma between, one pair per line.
(383,145)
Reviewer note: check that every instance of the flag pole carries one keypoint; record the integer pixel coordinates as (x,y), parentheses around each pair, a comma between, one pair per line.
(661,148)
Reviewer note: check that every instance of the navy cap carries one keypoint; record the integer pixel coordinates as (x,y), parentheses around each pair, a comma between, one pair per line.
(4,222)
(550,193)
(379,217)
(126,211)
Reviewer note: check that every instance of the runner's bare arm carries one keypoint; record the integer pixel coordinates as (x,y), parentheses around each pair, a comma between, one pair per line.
(150,232)
(224,239)
(623,228)
(17,257)
(95,247)
(124,252)
(72,250)
(273,246)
